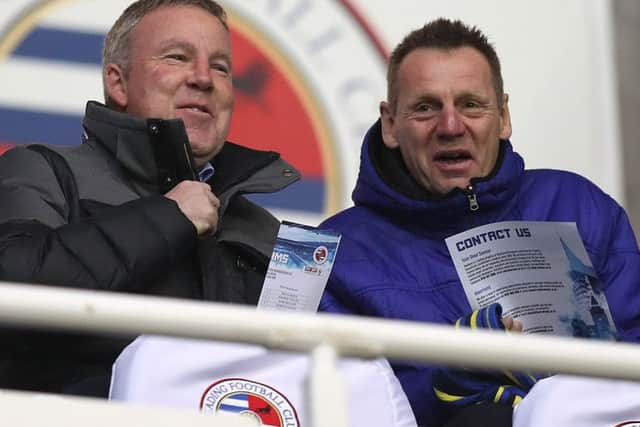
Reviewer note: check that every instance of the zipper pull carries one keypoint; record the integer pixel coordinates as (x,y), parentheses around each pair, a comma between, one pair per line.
(473,201)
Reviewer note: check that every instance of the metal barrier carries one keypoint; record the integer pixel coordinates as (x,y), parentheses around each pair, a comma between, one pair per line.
(35,410)
(326,335)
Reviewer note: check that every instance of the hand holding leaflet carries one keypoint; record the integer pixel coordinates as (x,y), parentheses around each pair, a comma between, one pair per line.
(539,272)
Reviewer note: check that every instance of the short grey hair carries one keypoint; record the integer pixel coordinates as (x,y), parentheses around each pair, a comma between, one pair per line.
(117,42)
(443,34)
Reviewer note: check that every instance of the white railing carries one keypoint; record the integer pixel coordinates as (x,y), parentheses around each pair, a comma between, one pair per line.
(21,409)
(325,335)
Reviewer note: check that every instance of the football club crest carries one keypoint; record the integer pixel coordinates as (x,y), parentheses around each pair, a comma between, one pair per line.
(320,255)
(308,77)
(250,399)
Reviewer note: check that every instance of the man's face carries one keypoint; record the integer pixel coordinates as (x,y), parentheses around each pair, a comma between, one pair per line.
(447,122)
(179,67)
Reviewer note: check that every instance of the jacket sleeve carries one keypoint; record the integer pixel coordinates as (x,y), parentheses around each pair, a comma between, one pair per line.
(120,248)
(619,270)
(330,302)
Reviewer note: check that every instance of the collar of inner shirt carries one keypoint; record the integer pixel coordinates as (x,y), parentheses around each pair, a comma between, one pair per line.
(206,172)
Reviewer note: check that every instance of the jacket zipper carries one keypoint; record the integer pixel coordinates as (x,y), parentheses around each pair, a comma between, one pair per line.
(473,200)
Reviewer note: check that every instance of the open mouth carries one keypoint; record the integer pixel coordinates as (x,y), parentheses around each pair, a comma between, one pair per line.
(453,157)
(196,108)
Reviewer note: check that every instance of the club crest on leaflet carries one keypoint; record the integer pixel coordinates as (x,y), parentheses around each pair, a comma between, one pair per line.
(320,255)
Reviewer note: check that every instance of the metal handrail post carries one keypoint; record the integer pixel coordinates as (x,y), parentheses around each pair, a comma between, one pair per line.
(327,389)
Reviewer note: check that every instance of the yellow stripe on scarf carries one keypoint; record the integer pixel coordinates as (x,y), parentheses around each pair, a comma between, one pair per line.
(516,400)
(446,397)
(486,315)
(474,320)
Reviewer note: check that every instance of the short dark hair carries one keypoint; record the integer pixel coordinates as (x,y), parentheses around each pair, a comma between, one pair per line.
(443,34)
(116,44)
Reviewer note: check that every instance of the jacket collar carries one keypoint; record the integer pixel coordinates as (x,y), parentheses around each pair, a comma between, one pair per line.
(157,153)
(384,184)
(129,139)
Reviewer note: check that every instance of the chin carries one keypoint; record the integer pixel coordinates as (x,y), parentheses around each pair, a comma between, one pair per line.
(206,152)
(199,143)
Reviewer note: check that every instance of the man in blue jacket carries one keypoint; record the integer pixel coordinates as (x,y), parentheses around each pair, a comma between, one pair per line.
(438,162)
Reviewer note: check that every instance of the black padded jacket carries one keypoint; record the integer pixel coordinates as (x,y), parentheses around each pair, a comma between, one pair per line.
(128,237)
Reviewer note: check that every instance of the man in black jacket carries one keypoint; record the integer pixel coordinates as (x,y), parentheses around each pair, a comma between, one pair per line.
(150,203)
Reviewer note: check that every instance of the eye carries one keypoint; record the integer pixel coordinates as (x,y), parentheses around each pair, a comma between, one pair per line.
(425,110)
(424,107)
(474,104)
(473,107)
(221,67)
(180,57)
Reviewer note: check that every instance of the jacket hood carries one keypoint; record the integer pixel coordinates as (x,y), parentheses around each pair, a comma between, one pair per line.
(384,184)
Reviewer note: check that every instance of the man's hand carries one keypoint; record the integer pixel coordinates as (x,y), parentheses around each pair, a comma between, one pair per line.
(464,387)
(490,317)
(512,325)
(198,204)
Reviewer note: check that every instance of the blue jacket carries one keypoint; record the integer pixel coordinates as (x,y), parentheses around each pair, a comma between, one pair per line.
(393,261)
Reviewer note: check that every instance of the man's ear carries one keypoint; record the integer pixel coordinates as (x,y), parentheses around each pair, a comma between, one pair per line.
(505,118)
(116,85)
(387,120)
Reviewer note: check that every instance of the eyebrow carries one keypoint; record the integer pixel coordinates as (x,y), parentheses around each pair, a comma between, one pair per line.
(434,99)
(472,94)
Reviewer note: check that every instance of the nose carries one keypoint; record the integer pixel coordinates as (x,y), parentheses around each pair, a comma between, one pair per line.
(450,123)
(200,75)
